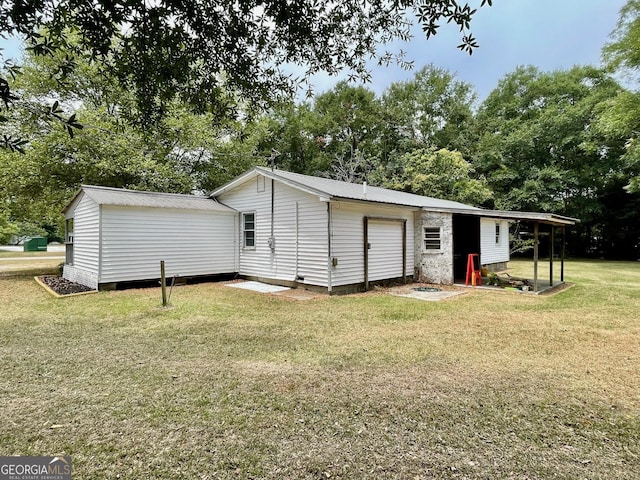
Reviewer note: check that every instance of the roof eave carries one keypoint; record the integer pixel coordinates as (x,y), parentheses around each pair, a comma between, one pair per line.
(548,218)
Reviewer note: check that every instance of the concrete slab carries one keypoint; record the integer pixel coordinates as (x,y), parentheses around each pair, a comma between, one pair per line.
(258,287)
(408,291)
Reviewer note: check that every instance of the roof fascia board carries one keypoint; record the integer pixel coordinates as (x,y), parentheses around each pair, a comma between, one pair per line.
(387,204)
(234,183)
(549,218)
(72,202)
(324,196)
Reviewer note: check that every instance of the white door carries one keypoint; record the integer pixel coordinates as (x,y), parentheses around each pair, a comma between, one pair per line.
(386,256)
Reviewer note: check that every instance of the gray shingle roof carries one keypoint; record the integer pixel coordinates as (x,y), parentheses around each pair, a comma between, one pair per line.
(135,198)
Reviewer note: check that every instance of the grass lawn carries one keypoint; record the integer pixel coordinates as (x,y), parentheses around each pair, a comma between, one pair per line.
(234,384)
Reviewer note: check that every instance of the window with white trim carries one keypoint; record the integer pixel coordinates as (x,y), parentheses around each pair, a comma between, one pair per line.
(432,240)
(249,230)
(497,233)
(68,241)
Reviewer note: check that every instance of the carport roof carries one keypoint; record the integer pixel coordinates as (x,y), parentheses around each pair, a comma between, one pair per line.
(540,217)
(134,198)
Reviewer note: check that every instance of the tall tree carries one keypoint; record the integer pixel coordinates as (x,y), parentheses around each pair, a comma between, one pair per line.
(621,114)
(540,148)
(182,153)
(432,108)
(336,134)
(440,173)
(208,52)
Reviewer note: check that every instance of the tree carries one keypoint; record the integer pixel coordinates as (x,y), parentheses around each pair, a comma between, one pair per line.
(441,174)
(210,53)
(182,153)
(7,228)
(432,108)
(621,114)
(335,135)
(540,149)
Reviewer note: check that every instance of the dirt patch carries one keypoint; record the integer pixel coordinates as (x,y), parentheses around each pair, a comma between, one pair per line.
(62,286)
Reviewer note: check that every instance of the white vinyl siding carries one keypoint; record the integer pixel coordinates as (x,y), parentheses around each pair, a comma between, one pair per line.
(347,242)
(490,250)
(82,256)
(86,226)
(191,242)
(299,232)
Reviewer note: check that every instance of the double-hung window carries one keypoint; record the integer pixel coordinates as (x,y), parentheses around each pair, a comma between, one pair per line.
(249,230)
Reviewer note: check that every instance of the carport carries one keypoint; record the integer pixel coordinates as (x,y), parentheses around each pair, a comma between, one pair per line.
(556,224)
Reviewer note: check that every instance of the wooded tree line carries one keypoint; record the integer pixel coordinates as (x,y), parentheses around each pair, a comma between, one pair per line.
(562,142)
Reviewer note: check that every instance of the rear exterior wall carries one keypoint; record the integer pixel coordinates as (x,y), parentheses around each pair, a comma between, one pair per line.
(298,224)
(347,242)
(191,243)
(494,243)
(84,266)
(434,265)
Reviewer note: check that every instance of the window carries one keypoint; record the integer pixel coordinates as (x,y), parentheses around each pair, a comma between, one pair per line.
(68,227)
(68,241)
(497,233)
(432,238)
(249,230)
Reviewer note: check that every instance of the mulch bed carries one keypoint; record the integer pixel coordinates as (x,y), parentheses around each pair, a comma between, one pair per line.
(63,286)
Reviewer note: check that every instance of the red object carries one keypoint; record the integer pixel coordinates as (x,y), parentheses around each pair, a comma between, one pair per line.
(474,276)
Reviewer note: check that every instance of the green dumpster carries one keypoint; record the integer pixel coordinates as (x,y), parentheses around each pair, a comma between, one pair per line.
(35,244)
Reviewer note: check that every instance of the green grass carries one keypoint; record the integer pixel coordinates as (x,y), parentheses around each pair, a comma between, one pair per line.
(233,384)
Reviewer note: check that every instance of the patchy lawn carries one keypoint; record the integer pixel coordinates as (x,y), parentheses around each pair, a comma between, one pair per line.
(234,384)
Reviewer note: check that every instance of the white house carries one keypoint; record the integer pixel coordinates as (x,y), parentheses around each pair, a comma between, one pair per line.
(117,235)
(285,228)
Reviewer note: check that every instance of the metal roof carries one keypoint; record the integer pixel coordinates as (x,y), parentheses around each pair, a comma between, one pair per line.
(328,189)
(549,218)
(335,190)
(135,198)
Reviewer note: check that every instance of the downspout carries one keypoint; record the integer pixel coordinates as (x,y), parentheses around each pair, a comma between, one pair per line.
(297,239)
(100,214)
(329,232)
(273,199)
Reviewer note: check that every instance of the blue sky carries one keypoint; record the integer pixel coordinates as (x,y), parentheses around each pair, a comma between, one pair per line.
(550,34)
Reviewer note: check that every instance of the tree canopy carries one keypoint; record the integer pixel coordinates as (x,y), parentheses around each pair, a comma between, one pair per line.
(213,54)
(621,115)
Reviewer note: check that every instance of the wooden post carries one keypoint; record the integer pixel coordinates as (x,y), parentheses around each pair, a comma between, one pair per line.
(551,253)
(163,284)
(535,256)
(564,231)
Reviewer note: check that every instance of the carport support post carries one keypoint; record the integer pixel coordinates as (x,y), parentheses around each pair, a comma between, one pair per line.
(535,256)
(163,284)
(562,254)
(551,252)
